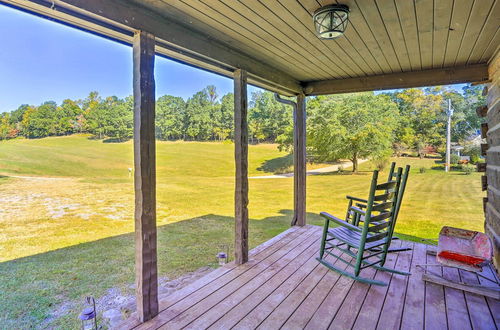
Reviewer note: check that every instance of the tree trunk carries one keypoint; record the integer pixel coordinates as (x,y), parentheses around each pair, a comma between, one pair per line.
(354,164)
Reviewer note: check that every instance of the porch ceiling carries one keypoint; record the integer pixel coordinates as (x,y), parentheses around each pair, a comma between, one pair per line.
(274,40)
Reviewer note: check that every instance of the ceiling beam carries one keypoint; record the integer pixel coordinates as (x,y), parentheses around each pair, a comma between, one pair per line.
(472,73)
(118,19)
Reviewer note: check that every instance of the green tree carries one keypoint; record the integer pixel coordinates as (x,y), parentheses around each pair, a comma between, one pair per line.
(170,112)
(223,117)
(267,118)
(40,121)
(351,126)
(422,123)
(5,126)
(197,122)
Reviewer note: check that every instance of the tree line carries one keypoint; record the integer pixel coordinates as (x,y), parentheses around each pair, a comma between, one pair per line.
(203,117)
(347,126)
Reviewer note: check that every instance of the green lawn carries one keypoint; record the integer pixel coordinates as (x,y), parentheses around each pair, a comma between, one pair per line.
(69,235)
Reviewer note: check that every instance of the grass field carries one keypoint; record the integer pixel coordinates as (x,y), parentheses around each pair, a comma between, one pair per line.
(66,230)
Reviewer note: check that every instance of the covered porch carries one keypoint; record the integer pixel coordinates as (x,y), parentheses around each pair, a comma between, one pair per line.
(272,44)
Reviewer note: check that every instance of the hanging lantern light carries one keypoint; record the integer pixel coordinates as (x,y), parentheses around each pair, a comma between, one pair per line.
(331,21)
(89,315)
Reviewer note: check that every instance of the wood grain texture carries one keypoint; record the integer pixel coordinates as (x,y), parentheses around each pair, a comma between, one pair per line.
(300,161)
(241,162)
(146,275)
(284,286)
(398,80)
(492,223)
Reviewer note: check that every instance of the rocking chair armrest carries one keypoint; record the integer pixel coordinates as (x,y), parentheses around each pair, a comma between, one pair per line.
(356,199)
(339,221)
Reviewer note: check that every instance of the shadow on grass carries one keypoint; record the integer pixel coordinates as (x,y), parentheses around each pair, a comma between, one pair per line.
(277,165)
(34,287)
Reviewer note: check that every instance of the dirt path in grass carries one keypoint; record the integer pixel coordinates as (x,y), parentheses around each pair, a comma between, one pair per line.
(318,171)
(41,178)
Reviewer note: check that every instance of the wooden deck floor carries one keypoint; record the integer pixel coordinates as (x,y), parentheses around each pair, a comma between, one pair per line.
(283,286)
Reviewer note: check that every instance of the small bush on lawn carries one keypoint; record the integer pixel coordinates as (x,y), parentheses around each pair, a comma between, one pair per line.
(422,170)
(467,169)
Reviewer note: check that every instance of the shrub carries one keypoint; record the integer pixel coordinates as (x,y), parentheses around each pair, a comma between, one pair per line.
(467,169)
(422,170)
(474,152)
(380,163)
(454,159)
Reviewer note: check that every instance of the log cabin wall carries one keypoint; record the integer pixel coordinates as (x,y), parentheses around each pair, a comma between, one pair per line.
(492,202)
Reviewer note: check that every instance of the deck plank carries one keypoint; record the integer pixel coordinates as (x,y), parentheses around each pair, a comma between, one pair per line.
(348,312)
(301,316)
(283,311)
(179,305)
(435,304)
(298,256)
(193,308)
(253,319)
(480,315)
(455,302)
(374,301)
(493,304)
(231,318)
(392,310)
(284,286)
(325,313)
(413,310)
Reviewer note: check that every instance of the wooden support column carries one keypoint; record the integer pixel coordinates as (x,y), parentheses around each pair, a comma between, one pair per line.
(241,159)
(299,161)
(146,275)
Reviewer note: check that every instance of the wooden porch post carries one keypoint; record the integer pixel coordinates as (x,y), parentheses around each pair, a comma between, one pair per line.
(299,161)
(146,275)
(241,159)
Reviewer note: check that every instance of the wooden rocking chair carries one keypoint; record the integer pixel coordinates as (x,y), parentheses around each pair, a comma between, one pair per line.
(356,218)
(368,244)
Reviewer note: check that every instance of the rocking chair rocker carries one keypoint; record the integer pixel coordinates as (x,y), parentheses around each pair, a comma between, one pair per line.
(368,244)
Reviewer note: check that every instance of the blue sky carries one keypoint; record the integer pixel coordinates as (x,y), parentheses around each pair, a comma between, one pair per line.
(41,60)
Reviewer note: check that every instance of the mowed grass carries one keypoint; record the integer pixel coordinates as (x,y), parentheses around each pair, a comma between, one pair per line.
(69,233)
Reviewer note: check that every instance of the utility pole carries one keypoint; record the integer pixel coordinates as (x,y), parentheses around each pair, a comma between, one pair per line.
(448,137)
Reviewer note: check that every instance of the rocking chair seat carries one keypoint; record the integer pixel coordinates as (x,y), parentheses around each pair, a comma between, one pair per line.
(353,238)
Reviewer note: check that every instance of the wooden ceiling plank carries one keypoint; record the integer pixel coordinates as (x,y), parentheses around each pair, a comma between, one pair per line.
(211,17)
(425,24)
(308,42)
(491,50)
(366,39)
(356,44)
(369,11)
(406,13)
(471,73)
(178,16)
(340,45)
(491,27)
(479,13)
(442,19)
(255,24)
(389,14)
(459,17)
(297,25)
(362,31)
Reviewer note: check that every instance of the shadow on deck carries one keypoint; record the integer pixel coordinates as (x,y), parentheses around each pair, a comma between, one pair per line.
(284,286)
